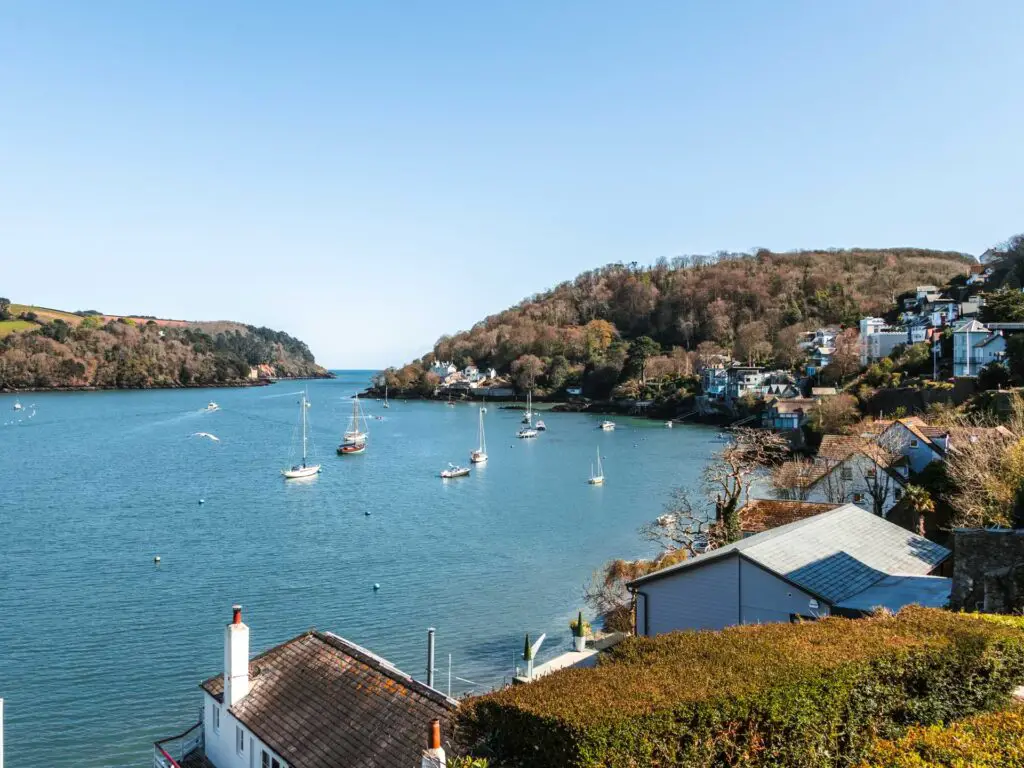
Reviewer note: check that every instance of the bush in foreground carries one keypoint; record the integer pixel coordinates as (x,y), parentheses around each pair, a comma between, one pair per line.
(994,740)
(813,694)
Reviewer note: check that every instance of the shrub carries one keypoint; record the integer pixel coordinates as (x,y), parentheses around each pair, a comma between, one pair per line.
(994,740)
(811,694)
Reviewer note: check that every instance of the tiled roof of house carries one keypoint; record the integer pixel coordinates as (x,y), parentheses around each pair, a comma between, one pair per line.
(833,555)
(838,447)
(320,701)
(764,514)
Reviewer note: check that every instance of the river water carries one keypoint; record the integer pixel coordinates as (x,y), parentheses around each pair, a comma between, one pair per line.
(101,649)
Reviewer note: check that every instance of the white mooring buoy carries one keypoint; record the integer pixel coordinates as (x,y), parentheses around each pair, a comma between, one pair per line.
(376,587)
(202,501)
(156,559)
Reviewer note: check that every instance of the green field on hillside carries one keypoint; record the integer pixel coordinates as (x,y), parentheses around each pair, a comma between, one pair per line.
(45,313)
(13,326)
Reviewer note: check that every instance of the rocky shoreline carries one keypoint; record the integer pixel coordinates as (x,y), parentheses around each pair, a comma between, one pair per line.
(239,384)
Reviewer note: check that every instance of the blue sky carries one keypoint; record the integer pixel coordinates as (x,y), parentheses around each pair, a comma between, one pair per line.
(368,176)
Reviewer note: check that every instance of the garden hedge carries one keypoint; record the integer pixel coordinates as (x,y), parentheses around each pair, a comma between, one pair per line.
(993,740)
(810,694)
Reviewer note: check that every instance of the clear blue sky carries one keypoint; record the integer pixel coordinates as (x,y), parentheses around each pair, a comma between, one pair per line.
(370,175)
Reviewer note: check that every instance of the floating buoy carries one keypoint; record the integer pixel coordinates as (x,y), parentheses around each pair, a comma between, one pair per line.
(376,587)
(367,513)
(202,501)
(156,559)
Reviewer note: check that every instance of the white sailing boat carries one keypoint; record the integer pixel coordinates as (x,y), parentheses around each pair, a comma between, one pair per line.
(386,405)
(598,477)
(304,469)
(355,437)
(479,456)
(528,416)
(17,405)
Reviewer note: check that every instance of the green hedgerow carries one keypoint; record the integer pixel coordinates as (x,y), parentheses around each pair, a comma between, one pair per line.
(992,740)
(811,694)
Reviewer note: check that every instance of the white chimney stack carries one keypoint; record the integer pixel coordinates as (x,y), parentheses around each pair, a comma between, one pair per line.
(236,658)
(433,755)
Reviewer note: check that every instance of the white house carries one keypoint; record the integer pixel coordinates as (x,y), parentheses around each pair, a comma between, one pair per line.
(878,340)
(845,561)
(922,443)
(443,369)
(316,701)
(975,345)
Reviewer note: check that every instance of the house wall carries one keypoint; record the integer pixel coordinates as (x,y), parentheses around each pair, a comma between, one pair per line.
(899,438)
(832,488)
(221,744)
(702,597)
(765,598)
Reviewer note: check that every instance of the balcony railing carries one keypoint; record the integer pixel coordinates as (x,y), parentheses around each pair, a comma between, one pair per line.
(169,753)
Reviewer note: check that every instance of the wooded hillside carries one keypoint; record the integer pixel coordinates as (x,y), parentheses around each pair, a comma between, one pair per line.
(751,306)
(47,349)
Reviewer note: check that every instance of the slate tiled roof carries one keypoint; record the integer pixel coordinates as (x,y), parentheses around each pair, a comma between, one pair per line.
(764,514)
(320,701)
(833,555)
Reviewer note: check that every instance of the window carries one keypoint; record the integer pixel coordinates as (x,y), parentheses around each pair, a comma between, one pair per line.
(871,472)
(270,762)
(913,443)
(898,493)
(216,718)
(239,740)
(846,473)
(858,497)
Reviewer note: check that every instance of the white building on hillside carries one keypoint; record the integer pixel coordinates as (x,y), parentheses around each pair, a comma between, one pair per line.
(878,340)
(975,345)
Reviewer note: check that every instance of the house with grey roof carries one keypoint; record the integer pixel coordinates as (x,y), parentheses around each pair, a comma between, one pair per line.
(315,701)
(845,562)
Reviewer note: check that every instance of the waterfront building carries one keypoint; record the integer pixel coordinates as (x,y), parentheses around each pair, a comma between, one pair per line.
(316,701)
(844,562)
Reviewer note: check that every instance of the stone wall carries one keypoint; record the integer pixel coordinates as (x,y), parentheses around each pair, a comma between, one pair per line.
(988,571)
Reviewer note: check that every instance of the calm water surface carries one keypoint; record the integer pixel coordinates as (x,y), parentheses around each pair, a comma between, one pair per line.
(101,650)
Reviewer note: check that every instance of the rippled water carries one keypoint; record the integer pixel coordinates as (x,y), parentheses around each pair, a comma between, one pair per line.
(101,650)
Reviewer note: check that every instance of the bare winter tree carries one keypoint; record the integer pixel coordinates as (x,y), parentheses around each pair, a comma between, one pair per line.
(985,464)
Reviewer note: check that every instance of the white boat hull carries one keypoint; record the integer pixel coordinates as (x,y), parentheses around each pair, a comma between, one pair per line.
(448,474)
(596,481)
(296,472)
(525,434)
(478,457)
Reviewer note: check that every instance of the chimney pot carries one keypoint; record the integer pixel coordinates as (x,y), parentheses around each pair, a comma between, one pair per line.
(236,617)
(434,740)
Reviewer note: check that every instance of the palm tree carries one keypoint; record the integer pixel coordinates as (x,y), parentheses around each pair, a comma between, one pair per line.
(920,502)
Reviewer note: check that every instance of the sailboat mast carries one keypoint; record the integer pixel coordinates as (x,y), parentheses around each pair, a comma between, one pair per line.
(303,429)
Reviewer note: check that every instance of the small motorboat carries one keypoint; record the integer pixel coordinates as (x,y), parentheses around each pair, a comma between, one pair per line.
(526,433)
(454,471)
(668,424)
(212,406)
(607,426)
(541,426)
(17,405)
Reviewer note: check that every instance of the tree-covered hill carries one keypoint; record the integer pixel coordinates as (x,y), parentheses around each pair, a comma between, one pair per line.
(49,349)
(752,306)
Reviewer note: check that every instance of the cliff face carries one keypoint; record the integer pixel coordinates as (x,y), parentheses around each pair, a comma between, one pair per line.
(89,351)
